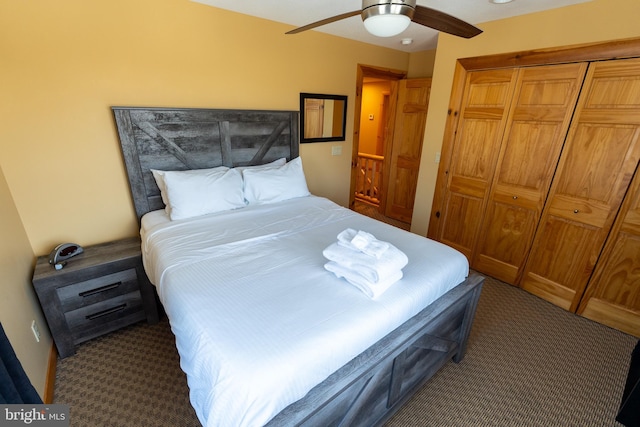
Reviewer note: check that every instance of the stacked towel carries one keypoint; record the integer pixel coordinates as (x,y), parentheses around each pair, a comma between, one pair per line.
(363,242)
(364,261)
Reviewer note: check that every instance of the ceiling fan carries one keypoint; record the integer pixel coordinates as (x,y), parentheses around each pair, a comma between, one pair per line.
(386,18)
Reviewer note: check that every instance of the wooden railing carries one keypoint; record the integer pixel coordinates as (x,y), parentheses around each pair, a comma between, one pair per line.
(369,178)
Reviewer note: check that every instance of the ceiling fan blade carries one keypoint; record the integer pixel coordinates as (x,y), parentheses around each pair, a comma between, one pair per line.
(442,22)
(324,22)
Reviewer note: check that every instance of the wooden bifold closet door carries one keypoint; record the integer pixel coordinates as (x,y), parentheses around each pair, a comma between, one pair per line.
(483,117)
(512,126)
(598,161)
(540,114)
(539,165)
(613,293)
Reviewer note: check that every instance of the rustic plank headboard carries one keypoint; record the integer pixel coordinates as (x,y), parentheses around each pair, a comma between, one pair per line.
(190,138)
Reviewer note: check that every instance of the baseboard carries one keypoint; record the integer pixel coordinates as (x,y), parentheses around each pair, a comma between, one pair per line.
(50,382)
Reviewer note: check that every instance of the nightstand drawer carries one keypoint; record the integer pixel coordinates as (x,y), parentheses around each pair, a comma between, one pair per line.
(92,291)
(105,316)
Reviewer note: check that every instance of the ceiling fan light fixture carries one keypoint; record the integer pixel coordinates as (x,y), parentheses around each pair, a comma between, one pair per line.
(386,25)
(387,18)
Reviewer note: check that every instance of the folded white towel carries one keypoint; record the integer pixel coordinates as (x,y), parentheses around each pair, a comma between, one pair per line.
(371,269)
(363,242)
(372,290)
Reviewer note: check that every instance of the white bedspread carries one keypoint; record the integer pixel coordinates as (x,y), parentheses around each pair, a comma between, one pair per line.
(258,320)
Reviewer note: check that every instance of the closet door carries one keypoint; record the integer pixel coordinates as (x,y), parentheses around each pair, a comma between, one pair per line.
(544,100)
(613,294)
(596,166)
(483,115)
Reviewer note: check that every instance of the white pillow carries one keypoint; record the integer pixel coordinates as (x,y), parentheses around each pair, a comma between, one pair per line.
(195,194)
(275,184)
(274,164)
(158,175)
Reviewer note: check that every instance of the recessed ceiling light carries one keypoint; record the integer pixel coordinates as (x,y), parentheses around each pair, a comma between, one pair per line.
(500,1)
(407,41)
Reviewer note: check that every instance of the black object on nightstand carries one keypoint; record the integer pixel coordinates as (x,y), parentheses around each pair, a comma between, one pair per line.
(101,290)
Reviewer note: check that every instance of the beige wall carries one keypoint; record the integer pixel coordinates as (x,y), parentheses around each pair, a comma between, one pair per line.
(65,63)
(421,64)
(18,305)
(371,116)
(598,20)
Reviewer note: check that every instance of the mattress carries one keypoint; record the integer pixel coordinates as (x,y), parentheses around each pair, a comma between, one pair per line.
(258,321)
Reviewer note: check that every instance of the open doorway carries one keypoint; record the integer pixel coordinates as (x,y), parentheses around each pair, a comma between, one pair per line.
(374,107)
(375,103)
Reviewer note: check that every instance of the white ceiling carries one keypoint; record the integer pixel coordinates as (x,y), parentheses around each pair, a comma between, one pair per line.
(302,12)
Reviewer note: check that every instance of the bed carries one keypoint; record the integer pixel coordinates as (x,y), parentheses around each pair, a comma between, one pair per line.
(266,335)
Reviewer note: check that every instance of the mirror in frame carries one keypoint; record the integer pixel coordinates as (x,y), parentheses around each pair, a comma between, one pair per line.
(322,117)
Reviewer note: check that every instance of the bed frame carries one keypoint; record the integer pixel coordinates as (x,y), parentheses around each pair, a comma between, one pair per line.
(370,388)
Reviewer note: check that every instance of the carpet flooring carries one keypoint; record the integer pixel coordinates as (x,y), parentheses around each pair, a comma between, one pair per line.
(528,363)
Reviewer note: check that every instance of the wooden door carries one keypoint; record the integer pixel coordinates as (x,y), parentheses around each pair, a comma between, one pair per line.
(613,293)
(544,100)
(485,105)
(313,118)
(596,166)
(406,147)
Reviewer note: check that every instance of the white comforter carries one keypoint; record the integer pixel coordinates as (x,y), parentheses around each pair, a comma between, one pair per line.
(258,320)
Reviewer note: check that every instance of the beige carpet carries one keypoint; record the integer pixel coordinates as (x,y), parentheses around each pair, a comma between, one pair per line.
(528,363)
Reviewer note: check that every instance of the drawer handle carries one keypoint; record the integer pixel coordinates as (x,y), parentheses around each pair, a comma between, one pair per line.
(100,289)
(106,312)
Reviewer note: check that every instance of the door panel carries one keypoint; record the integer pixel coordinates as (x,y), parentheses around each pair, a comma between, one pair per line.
(596,166)
(313,118)
(613,294)
(483,115)
(413,100)
(506,243)
(464,211)
(544,100)
(556,260)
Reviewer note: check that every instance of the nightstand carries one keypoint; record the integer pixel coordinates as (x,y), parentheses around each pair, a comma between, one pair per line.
(101,290)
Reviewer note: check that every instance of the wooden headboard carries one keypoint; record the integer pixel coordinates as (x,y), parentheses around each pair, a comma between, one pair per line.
(189,138)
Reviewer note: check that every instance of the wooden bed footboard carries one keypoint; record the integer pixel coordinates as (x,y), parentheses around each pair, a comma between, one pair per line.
(369,389)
